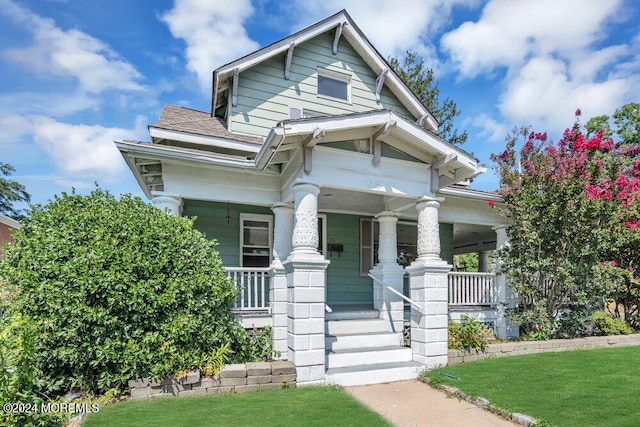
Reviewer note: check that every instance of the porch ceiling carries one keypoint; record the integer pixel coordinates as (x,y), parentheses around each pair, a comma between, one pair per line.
(473,238)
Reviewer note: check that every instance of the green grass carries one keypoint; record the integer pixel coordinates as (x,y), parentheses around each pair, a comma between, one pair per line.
(305,406)
(573,388)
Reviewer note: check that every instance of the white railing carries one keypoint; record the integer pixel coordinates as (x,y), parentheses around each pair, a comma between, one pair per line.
(254,287)
(472,288)
(390,289)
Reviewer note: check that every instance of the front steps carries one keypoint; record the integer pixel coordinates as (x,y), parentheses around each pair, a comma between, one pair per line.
(364,351)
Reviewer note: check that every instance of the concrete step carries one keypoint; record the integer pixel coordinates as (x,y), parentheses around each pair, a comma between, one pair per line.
(367,356)
(352,314)
(355,341)
(356,326)
(373,374)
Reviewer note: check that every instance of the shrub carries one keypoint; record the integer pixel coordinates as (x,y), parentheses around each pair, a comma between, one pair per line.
(605,324)
(469,333)
(117,289)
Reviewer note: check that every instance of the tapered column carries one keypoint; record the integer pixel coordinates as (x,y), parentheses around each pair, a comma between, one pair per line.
(167,201)
(428,276)
(282,233)
(504,295)
(388,273)
(483,261)
(306,282)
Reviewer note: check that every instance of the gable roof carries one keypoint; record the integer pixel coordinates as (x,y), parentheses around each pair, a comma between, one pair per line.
(348,29)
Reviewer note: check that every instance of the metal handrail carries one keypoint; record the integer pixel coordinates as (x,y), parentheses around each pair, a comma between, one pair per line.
(404,297)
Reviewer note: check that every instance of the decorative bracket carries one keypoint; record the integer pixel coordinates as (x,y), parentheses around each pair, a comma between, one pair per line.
(437,167)
(307,146)
(377,140)
(287,66)
(234,89)
(380,83)
(336,39)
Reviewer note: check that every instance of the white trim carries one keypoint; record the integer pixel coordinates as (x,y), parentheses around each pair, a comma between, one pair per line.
(10,222)
(256,217)
(210,141)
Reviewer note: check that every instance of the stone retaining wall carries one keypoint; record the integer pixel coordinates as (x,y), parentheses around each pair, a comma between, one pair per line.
(529,347)
(233,379)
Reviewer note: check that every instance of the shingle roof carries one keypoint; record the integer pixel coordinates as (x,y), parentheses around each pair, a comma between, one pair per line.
(183,119)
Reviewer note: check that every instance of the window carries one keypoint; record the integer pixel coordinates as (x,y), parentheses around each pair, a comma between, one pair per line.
(255,240)
(334,85)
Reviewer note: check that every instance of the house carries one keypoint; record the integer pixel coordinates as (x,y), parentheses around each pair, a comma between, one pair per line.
(7,227)
(335,204)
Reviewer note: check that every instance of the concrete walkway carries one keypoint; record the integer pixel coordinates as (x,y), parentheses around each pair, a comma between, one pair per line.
(413,403)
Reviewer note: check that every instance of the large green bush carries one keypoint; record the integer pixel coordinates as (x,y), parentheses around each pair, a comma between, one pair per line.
(118,289)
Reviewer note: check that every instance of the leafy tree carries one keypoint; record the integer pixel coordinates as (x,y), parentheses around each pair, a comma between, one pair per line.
(626,121)
(11,192)
(420,79)
(575,207)
(117,289)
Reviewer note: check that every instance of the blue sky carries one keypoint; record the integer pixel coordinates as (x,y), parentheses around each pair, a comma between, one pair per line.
(79,74)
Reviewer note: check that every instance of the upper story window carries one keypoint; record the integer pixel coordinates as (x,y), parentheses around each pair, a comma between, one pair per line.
(334,85)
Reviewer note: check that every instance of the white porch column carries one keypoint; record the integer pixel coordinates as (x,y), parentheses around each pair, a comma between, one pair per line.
(389,273)
(505,296)
(428,283)
(483,261)
(170,201)
(282,233)
(306,281)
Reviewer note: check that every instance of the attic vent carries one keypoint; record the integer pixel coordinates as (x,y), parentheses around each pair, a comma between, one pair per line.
(295,113)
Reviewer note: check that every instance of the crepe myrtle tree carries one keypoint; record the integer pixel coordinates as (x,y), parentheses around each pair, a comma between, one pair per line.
(576,226)
(116,289)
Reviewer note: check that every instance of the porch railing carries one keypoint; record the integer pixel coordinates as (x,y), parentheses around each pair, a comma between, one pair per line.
(472,288)
(254,287)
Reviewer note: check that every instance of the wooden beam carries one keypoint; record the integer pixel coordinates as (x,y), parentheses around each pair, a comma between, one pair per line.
(234,93)
(336,39)
(307,148)
(377,140)
(380,83)
(445,161)
(287,66)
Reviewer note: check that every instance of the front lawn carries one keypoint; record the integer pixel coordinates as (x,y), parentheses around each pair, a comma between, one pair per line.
(572,388)
(308,406)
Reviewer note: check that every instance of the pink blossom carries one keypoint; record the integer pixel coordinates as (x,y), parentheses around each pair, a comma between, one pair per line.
(492,203)
(578,113)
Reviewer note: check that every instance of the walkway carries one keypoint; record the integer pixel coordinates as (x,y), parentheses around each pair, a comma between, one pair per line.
(413,403)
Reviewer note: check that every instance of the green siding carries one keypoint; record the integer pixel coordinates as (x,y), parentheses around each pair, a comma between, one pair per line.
(344,282)
(343,274)
(264,96)
(212,221)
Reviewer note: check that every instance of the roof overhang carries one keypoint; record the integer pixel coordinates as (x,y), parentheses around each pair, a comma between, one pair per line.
(360,43)
(157,133)
(449,159)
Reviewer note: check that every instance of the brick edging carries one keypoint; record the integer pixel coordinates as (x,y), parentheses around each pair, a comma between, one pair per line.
(236,378)
(529,347)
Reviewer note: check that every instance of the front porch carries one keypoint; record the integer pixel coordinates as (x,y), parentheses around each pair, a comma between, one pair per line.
(473,293)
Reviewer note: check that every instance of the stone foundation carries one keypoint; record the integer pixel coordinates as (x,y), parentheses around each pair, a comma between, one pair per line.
(233,379)
(530,347)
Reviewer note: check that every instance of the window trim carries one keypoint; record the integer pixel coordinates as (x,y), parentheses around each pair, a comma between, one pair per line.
(255,217)
(333,75)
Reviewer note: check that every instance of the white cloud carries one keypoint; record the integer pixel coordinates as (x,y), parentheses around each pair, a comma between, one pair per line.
(213,31)
(68,54)
(551,54)
(543,95)
(83,149)
(509,33)
(490,128)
